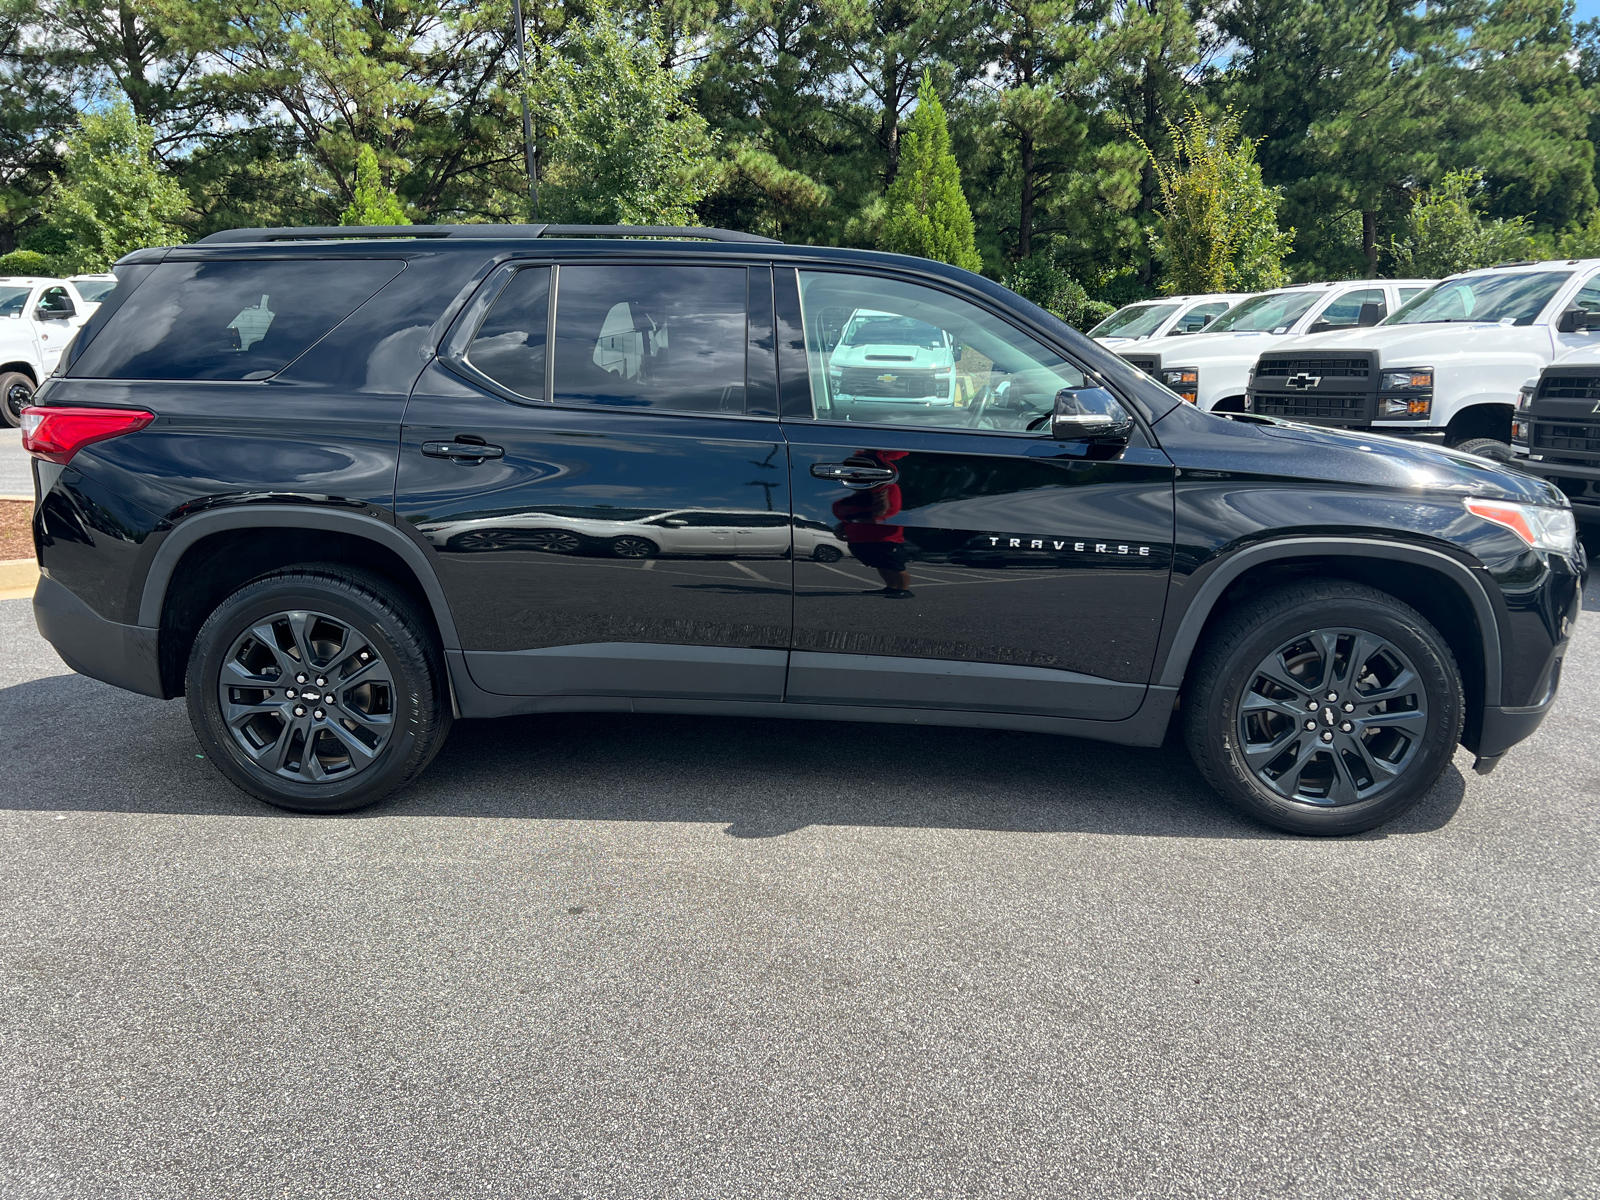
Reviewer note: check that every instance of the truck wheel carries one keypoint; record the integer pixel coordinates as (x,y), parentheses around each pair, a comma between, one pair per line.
(318,689)
(1323,707)
(1487,448)
(16,393)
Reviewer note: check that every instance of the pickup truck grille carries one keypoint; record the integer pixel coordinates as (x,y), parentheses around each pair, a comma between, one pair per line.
(889,383)
(1334,368)
(1148,363)
(1565,438)
(1569,387)
(1328,407)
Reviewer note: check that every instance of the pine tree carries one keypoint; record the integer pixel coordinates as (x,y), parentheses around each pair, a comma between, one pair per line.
(927,211)
(372,204)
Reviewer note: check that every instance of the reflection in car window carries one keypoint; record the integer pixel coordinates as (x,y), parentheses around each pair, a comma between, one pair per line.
(12,301)
(1265,314)
(1588,297)
(1197,317)
(230,319)
(509,346)
(1136,320)
(94,290)
(1492,296)
(972,371)
(652,337)
(1346,310)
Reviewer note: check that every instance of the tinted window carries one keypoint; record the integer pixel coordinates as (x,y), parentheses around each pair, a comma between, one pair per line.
(94,290)
(1135,321)
(1345,310)
(1518,298)
(229,320)
(884,351)
(651,337)
(1271,313)
(509,347)
(54,302)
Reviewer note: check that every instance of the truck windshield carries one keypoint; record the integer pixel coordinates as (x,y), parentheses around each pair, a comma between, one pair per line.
(13,301)
(1492,296)
(883,329)
(1134,321)
(1273,313)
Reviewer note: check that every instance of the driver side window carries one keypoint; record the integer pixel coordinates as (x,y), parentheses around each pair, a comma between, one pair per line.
(885,352)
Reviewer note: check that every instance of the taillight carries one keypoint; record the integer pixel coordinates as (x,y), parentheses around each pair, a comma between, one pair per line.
(56,434)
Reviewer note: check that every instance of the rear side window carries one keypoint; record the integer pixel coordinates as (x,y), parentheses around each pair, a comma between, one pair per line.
(229,320)
(652,337)
(509,346)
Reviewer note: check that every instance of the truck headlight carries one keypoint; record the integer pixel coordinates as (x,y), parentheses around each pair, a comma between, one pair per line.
(1553,529)
(1398,406)
(1525,397)
(1410,380)
(1183,380)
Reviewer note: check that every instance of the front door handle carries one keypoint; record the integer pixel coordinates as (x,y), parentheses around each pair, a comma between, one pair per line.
(847,472)
(466,451)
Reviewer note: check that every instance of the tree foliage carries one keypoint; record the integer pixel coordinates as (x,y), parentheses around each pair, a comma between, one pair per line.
(372,204)
(1446,231)
(113,198)
(926,212)
(1217,229)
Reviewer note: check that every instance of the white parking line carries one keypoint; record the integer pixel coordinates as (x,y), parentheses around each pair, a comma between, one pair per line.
(739,566)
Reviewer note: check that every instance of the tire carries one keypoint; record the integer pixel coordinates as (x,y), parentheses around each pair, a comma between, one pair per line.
(827,554)
(1230,705)
(380,729)
(634,547)
(551,541)
(1486,448)
(16,393)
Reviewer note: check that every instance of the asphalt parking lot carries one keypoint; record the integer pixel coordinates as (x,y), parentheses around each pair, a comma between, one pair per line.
(612,956)
(16,473)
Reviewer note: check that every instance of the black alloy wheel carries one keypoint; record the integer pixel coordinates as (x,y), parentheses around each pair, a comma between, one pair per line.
(16,393)
(319,689)
(552,541)
(827,554)
(1323,707)
(629,546)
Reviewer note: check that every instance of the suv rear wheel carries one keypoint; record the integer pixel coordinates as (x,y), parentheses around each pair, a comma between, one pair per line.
(1324,707)
(318,689)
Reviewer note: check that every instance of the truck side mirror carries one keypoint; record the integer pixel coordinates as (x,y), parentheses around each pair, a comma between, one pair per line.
(1371,313)
(1090,414)
(1578,320)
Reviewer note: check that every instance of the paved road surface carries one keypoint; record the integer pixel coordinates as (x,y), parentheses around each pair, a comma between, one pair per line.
(659,957)
(16,471)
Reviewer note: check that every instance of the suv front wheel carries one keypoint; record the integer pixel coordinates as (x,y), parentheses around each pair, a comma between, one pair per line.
(318,689)
(1324,707)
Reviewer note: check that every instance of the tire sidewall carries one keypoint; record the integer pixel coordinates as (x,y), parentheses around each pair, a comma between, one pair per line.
(13,420)
(266,598)
(1435,668)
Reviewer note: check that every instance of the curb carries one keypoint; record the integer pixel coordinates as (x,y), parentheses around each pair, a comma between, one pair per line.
(18,578)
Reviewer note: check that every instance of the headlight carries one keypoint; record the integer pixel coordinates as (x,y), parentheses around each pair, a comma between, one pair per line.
(1405,381)
(1542,528)
(1183,380)
(1525,398)
(1396,406)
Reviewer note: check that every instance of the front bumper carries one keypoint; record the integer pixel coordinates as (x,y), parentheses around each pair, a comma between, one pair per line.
(124,656)
(1581,485)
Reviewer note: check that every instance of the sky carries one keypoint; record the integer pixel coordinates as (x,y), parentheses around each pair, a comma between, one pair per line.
(1586,9)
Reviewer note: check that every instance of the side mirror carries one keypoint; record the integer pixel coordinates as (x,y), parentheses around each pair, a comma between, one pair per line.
(1089,414)
(955,355)
(57,314)
(1578,320)
(1371,313)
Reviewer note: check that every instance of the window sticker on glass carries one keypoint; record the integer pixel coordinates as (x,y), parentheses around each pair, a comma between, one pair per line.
(252,324)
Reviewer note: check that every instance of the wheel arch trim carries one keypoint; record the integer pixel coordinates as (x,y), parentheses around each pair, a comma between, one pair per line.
(1187,635)
(289,516)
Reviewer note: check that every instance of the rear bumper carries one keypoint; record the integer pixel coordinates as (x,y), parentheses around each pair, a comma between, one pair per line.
(124,656)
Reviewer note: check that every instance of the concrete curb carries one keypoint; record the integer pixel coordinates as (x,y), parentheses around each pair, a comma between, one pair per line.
(18,578)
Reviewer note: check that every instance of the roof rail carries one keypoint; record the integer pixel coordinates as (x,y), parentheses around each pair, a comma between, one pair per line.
(345,232)
(1520,262)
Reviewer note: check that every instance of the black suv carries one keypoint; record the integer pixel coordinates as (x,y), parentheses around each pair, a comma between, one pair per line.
(342,486)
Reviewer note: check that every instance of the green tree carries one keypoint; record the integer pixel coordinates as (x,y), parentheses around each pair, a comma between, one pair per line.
(628,147)
(1218,226)
(927,214)
(114,199)
(373,204)
(1446,232)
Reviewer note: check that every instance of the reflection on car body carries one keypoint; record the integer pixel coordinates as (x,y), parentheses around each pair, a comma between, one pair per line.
(641,533)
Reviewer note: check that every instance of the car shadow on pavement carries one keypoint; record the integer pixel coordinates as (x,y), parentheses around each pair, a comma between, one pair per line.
(68,743)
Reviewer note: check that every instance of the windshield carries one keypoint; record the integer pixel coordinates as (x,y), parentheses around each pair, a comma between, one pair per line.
(1134,321)
(1271,313)
(94,290)
(883,329)
(1494,296)
(13,301)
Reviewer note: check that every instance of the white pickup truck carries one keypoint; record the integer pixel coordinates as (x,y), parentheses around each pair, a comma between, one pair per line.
(1452,361)
(37,319)
(1212,369)
(1170,316)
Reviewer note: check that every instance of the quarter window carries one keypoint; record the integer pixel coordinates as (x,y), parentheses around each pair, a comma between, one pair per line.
(652,337)
(1345,311)
(1588,297)
(509,346)
(881,351)
(230,319)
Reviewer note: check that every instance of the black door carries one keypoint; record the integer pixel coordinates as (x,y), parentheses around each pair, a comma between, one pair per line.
(598,544)
(989,566)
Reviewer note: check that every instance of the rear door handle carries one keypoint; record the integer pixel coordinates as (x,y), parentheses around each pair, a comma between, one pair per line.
(469,451)
(852,473)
